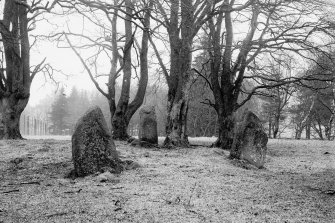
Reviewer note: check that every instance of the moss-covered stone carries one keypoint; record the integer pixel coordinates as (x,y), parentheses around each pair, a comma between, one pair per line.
(148,125)
(93,148)
(250,140)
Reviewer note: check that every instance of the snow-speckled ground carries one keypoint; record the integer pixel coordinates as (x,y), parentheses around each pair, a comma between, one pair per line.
(182,185)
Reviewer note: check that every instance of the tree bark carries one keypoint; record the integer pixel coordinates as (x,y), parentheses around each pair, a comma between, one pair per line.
(113,72)
(119,126)
(180,71)
(125,110)
(226,130)
(182,22)
(178,99)
(298,134)
(143,81)
(15,78)
(176,127)
(11,110)
(270,127)
(318,128)
(120,122)
(276,126)
(328,129)
(308,130)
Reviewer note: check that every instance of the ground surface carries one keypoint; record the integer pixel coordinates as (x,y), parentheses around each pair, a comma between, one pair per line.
(198,184)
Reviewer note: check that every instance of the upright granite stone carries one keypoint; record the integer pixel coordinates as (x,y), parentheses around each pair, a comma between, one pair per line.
(250,140)
(148,125)
(93,149)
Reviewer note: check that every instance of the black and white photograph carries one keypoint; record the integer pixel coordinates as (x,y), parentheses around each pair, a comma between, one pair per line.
(167,111)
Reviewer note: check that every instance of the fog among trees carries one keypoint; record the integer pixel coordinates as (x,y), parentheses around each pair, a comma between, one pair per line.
(200,63)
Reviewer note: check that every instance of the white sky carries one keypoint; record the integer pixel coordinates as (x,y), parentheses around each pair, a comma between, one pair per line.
(62,59)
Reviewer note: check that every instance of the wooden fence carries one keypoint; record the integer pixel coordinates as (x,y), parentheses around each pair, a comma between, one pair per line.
(30,125)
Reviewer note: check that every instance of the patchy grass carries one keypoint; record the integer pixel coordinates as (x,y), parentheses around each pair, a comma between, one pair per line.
(183,185)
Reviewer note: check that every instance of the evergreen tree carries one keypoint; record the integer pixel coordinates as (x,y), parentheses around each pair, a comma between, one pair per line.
(98,99)
(78,103)
(58,114)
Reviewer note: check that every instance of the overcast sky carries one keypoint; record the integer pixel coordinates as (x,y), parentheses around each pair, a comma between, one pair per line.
(66,60)
(60,59)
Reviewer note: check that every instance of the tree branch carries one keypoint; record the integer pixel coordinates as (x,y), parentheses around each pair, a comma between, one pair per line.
(86,67)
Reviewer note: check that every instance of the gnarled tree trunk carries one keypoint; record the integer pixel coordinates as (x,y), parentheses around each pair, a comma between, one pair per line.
(176,127)
(181,38)
(122,112)
(125,110)
(182,22)
(119,120)
(276,126)
(226,123)
(178,94)
(226,80)
(11,110)
(15,77)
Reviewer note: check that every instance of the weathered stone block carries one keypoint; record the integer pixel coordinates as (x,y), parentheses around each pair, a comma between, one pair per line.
(250,140)
(93,148)
(148,125)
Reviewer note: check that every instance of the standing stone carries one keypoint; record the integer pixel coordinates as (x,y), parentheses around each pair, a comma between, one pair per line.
(250,140)
(93,149)
(148,125)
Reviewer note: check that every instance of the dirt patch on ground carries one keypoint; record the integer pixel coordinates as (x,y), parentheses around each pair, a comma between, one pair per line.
(184,185)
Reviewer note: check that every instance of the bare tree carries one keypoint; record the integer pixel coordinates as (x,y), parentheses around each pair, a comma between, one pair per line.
(123,110)
(182,21)
(277,98)
(323,111)
(16,74)
(314,107)
(275,29)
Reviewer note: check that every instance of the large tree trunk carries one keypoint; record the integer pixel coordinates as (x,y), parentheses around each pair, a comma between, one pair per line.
(222,83)
(226,130)
(276,127)
(15,78)
(119,126)
(123,112)
(113,72)
(11,110)
(178,99)
(120,122)
(184,20)
(226,76)
(144,70)
(176,127)
(298,133)
(180,71)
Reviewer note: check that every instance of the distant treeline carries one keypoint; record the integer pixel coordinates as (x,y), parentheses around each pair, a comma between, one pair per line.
(62,110)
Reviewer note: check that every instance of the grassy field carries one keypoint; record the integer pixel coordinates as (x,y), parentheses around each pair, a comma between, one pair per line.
(197,184)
